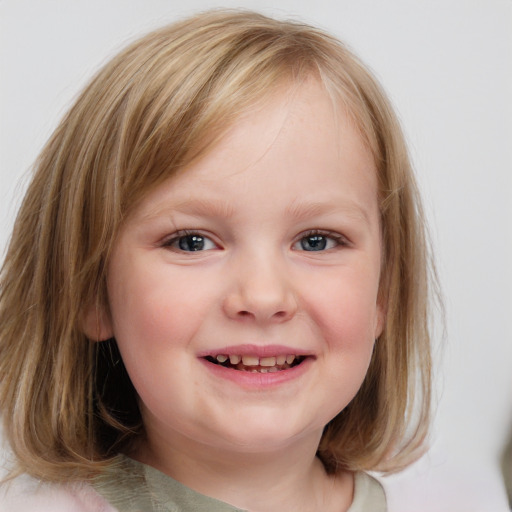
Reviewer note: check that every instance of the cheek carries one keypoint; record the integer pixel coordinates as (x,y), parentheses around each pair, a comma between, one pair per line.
(148,324)
(157,311)
(347,317)
(143,297)
(345,309)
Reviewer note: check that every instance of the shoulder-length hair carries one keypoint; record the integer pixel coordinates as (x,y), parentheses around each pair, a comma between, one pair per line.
(68,405)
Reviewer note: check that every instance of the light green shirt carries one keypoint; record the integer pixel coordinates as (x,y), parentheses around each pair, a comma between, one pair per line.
(130,486)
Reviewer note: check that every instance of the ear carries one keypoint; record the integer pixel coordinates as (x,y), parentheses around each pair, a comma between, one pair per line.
(380,319)
(96,323)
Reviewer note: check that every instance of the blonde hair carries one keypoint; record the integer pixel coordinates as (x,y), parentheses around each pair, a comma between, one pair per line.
(67,403)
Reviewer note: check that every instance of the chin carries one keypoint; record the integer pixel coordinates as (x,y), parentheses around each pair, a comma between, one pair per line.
(265,436)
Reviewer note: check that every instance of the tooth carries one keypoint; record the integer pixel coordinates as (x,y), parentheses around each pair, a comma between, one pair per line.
(222,358)
(268,361)
(273,370)
(281,359)
(264,370)
(234,359)
(250,360)
(290,358)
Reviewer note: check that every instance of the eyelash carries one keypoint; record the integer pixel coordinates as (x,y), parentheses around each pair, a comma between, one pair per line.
(338,239)
(180,235)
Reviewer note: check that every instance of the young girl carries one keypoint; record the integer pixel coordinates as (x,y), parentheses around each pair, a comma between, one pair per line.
(215,293)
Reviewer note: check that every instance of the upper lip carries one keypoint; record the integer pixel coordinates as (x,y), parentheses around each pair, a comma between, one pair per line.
(255,350)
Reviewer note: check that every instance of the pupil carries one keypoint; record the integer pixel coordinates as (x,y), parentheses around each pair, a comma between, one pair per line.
(314,243)
(191,243)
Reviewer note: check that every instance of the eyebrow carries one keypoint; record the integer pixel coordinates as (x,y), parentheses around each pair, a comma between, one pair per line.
(298,209)
(201,207)
(301,210)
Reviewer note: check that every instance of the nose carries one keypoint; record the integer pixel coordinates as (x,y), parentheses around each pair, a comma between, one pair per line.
(261,291)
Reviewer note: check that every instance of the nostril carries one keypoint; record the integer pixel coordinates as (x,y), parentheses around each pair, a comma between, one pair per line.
(244,313)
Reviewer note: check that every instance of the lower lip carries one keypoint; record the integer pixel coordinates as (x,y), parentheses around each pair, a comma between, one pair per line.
(256,380)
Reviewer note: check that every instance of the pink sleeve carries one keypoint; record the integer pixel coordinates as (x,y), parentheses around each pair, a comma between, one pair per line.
(23,497)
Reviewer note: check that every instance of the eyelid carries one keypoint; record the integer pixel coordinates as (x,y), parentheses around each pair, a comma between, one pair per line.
(169,240)
(341,240)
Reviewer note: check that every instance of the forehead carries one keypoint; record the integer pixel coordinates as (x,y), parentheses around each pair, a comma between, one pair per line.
(297,141)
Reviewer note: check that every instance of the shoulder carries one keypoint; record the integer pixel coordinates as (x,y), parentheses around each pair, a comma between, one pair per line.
(368,494)
(28,495)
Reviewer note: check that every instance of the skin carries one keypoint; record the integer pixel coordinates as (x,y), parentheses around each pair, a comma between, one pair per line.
(290,166)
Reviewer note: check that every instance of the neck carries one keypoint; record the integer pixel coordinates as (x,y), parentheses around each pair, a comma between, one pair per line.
(291,478)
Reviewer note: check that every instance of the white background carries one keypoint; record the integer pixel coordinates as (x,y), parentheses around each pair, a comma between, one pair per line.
(447,66)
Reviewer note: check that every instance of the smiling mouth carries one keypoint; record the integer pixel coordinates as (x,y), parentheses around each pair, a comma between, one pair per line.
(254,364)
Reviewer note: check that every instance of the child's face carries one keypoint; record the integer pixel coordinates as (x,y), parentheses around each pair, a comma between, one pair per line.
(267,248)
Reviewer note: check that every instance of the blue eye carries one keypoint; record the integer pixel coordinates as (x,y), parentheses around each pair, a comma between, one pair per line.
(190,242)
(314,243)
(319,242)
